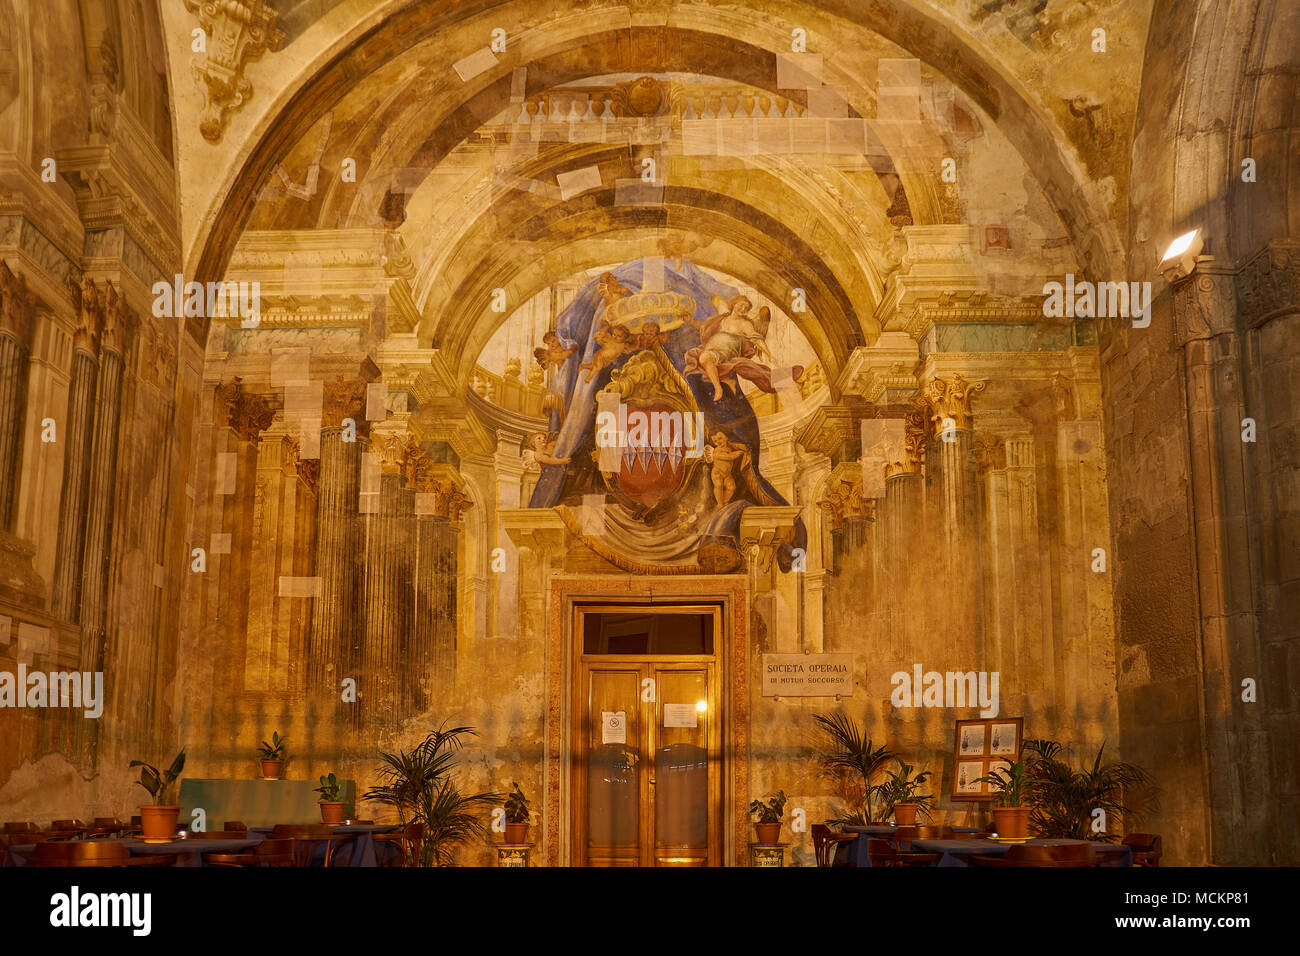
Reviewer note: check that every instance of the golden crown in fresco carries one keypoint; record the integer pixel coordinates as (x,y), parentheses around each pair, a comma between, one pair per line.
(668,310)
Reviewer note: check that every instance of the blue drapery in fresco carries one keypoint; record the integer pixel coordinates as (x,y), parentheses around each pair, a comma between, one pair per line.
(577,324)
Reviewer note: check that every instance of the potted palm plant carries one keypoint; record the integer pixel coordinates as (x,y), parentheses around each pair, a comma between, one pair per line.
(517,815)
(768,817)
(421,786)
(851,758)
(1011,815)
(331,807)
(158,820)
(899,795)
(1063,800)
(272,755)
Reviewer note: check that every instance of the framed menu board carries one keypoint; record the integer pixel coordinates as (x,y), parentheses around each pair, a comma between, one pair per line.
(981,746)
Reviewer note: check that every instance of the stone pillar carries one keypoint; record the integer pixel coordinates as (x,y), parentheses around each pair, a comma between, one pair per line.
(1014,590)
(903,523)
(1227,568)
(100,500)
(265,655)
(16,315)
(78,427)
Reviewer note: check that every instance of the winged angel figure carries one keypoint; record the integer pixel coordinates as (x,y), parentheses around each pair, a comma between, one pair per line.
(730,342)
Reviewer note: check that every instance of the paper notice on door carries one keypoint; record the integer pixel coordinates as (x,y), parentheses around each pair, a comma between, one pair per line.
(680,715)
(613,727)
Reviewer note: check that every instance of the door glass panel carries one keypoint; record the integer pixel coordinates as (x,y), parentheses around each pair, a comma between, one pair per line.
(647,633)
(682,759)
(613,764)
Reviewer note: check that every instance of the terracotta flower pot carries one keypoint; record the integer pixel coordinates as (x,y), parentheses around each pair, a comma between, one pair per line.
(768,833)
(905,814)
(516,832)
(271,769)
(1011,821)
(331,811)
(158,823)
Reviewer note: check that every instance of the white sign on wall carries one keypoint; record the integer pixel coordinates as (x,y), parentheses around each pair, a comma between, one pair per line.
(807,675)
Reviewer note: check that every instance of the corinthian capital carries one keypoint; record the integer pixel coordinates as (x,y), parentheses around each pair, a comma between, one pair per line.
(17,305)
(344,399)
(247,413)
(916,434)
(951,400)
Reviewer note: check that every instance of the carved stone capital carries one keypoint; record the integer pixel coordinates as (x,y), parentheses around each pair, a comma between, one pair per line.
(112,333)
(17,305)
(951,400)
(1269,284)
(247,413)
(845,500)
(237,31)
(916,435)
(1204,305)
(89,301)
(345,398)
(392,451)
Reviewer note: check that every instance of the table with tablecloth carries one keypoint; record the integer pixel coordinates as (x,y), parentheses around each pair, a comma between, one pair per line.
(855,853)
(257,803)
(955,852)
(361,850)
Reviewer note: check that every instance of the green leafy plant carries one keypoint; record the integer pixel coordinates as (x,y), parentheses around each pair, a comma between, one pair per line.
(1011,783)
(330,788)
(274,750)
(516,805)
(159,783)
(772,810)
(1063,800)
(420,785)
(855,762)
(902,787)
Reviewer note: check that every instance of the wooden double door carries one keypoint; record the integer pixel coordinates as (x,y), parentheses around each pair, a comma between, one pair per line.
(647,778)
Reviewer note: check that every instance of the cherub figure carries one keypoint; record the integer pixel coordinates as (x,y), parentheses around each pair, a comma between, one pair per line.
(613,340)
(722,456)
(610,289)
(650,336)
(555,351)
(543,449)
(729,341)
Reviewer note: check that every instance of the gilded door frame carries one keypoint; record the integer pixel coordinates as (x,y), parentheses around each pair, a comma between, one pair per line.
(732,653)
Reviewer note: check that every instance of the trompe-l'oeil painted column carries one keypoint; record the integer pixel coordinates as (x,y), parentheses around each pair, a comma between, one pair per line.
(78,430)
(16,315)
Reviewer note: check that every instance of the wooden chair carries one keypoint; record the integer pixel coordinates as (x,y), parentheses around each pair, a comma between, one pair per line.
(270,852)
(409,840)
(826,842)
(1146,848)
(235,825)
(93,853)
(21,828)
(68,825)
(105,826)
(308,840)
(883,853)
(1029,854)
(363,823)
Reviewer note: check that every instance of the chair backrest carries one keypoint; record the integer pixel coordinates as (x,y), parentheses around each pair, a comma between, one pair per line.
(235,825)
(1146,848)
(273,852)
(823,849)
(81,853)
(68,825)
(929,833)
(21,828)
(880,852)
(1029,854)
(107,822)
(308,839)
(1084,854)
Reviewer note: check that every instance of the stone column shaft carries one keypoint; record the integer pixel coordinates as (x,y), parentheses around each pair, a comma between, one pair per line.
(78,429)
(337,558)
(13,410)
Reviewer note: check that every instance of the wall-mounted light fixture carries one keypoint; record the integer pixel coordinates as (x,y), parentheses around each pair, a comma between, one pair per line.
(1180,258)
